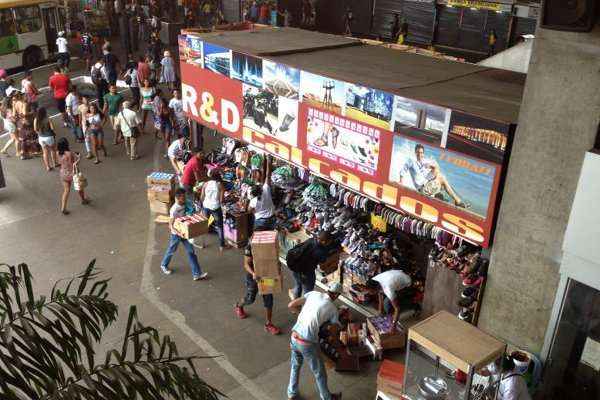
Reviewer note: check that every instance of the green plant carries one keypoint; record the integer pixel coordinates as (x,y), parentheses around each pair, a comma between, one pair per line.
(47,346)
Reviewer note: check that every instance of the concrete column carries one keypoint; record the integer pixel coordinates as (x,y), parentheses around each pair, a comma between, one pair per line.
(557,125)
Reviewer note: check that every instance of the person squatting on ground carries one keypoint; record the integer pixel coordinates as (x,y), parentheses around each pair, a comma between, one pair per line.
(317,309)
(177,211)
(68,162)
(249,298)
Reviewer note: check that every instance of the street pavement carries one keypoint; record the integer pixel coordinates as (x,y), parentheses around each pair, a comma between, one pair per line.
(118,230)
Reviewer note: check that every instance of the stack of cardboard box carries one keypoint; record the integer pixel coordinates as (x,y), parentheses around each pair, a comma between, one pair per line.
(191,226)
(384,334)
(265,254)
(161,188)
(390,379)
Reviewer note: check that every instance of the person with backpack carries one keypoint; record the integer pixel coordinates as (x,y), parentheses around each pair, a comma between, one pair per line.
(100,80)
(303,260)
(131,79)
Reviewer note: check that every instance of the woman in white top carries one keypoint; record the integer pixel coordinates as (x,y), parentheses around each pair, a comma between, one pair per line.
(512,384)
(211,196)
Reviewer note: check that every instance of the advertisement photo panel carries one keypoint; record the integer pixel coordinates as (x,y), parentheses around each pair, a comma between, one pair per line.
(433,121)
(247,69)
(460,181)
(281,80)
(481,138)
(323,92)
(217,59)
(352,144)
(194,51)
(368,105)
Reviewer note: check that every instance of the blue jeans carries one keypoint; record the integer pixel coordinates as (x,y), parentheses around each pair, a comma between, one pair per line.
(304,281)
(310,352)
(174,241)
(218,216)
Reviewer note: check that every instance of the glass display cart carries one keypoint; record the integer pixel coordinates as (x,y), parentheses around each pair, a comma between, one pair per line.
(449,359)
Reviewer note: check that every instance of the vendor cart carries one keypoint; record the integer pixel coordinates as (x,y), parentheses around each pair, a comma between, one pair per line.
(447,358)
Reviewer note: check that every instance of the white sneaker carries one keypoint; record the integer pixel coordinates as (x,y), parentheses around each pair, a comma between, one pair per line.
(165,270)
(200,277)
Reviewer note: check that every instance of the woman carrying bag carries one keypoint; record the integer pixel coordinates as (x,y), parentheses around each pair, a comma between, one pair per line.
(69,173)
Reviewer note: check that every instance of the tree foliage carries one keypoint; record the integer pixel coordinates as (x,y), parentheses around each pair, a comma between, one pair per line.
(47,346)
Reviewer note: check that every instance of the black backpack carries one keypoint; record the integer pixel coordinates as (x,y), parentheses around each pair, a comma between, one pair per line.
(96,75)
(296,254)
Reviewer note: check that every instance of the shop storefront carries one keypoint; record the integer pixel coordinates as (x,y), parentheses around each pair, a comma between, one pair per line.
(472,25)
(399,181)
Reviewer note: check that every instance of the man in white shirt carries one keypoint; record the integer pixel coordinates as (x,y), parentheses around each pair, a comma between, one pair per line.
(179,119)
(512,384)
(129,122)
(63,50)
(390,283)
(261,201)
(317,309)
(72,107)
(178,211)
(175,154)
(426,177)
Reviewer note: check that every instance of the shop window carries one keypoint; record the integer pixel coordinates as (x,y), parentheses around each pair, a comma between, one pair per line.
(28,19)
(7,23)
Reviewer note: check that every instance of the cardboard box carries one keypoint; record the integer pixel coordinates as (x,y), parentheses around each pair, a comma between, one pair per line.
(160,193)
(191,226)
(382,333)
(161,179)
(270,285)
(159,207)
(390,378)
(331,264)
(265,245)
(266,267)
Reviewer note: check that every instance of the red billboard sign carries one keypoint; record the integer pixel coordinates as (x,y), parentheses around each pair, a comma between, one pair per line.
(404,169)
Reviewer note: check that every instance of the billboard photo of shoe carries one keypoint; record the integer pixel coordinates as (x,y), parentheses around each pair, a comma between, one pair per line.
(261,110)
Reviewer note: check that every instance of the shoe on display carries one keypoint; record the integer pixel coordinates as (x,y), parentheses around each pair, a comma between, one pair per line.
(165,270)
(473,281)
(272,329)
(239,311)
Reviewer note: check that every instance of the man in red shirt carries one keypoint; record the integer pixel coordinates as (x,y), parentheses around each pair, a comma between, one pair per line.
(59,83)
(264,14)
(193,171)
(143,70)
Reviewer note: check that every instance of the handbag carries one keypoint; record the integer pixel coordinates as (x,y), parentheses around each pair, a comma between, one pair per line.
(134,131)
(79,180)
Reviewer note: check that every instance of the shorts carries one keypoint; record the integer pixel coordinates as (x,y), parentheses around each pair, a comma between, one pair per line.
(61,105)
(114,121)
(163,125)
(252,291)
(46,141)
(97,133)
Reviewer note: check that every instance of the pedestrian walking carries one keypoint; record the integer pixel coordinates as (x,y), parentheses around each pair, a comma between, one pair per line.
(211,197)
(179,120)
(47,139)
(317,310)
(131,79)
(30,90)
(27,139)
(9,122)
(72,107)
(100,80)
(147,92)
(250,280)
(167,71)
(82,111)
(63,57)
(59,82)
(94,122)
(143,70)
(3,84)
(112,106)
(129,123)
(162,120)
(177,211)
(111,63)
(69,161)
(87,48)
